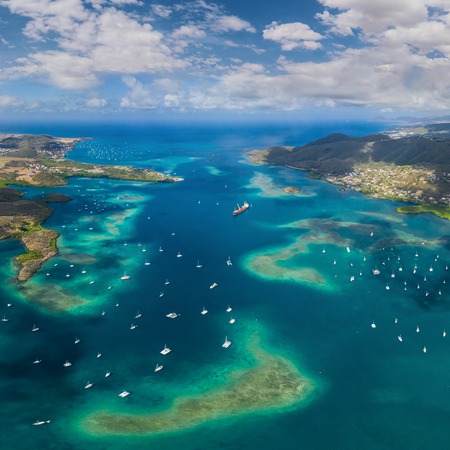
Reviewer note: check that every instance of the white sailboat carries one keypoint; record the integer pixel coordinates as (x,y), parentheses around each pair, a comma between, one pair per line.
(204,311)
(125,276)
(227,343)
(165,350)
(158,368)
(41,422)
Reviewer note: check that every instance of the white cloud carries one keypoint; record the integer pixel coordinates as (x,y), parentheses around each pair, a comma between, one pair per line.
(293,35)
(126,2)
(90,43)
(188,31)
(5,42)
(372,16)
(171,101)
(138,95)
(8,101)
(224,23)
(161,11)
(96,102)
(396,54)
(425,36)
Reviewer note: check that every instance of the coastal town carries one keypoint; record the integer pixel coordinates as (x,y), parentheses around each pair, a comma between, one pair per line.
(402,183)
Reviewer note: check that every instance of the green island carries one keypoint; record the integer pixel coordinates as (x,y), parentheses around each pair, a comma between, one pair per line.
(272,383)
(440,211)
(30,160)
(410,165)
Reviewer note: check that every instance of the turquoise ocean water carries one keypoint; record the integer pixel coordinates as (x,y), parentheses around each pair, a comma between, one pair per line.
(372,390)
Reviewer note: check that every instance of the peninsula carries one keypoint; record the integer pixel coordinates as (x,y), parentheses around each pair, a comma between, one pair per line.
(30,160)
(410,165)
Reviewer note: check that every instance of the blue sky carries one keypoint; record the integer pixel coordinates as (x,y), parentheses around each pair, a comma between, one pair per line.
(236,58)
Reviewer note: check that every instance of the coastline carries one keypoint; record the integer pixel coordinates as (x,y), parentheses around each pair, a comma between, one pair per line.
(40,161)
(416,184)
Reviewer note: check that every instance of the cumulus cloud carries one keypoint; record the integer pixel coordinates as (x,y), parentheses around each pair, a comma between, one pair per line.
(293,35)
(372,16)
(138,95)
(91,42)
(381,53)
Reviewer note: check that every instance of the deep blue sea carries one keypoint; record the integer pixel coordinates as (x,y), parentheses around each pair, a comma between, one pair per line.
(375,346)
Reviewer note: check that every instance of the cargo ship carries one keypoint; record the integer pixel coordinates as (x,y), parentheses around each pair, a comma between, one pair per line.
(241,209)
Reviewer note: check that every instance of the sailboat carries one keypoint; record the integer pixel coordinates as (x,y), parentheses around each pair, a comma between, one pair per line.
(35,328)
(199,266)
(204,311)
(158,368)
(41,422)
(227,343)
(165,350)
(125,276)
(229,263)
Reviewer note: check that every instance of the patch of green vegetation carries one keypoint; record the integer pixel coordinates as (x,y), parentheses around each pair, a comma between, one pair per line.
(441,211)
(30,256)
(48,179)
(53,244)
(315,175)
(56,198)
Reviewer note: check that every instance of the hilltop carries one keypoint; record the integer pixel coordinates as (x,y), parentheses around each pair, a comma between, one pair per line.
(411,165)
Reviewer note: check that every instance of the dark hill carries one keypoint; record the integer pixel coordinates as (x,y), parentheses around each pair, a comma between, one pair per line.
(338,153)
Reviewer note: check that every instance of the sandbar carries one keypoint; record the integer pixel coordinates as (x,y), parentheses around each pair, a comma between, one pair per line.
(274,383)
